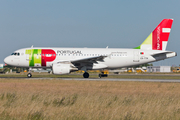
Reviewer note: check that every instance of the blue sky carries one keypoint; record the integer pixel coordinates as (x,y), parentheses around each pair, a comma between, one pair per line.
(85,23)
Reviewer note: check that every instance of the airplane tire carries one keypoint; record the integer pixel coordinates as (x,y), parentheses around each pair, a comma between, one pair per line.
(103,75)
(99,75)
(29,75)
(86,75)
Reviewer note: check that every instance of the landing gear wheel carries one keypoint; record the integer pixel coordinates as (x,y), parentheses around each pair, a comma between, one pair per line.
(86,75)
(29,75)
(103,75)
(99,75)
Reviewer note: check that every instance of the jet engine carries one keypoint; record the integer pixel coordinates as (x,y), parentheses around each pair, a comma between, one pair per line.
(61,68)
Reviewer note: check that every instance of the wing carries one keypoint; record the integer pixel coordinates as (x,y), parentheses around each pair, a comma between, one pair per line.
(89,59)
(86,62)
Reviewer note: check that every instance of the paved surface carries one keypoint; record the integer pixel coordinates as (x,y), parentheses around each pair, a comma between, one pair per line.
(108,79)
(142,80)
(98,79)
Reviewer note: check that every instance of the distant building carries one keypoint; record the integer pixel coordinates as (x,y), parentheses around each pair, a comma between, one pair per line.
(1,66)
(158,68)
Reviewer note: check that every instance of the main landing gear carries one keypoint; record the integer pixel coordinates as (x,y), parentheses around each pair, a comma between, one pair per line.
(102,74)
(86,75)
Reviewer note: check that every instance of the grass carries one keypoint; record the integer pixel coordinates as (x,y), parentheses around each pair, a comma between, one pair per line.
(55,99)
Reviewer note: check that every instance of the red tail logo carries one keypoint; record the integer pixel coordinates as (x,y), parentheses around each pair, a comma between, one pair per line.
(160,34)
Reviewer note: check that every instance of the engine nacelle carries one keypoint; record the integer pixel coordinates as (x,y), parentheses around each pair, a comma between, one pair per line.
(61,68)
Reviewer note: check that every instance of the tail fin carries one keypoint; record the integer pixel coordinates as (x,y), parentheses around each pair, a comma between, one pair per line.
(158,39)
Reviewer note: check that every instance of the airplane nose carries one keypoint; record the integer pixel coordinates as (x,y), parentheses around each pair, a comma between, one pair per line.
(7,60)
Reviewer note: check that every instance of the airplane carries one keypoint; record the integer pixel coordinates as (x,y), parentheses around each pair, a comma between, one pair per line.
(67,60)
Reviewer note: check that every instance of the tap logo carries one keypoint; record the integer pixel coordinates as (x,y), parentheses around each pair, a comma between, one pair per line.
(40,57)
(47,55)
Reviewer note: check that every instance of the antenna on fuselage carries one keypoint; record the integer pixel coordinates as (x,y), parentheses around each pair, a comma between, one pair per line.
(32,46)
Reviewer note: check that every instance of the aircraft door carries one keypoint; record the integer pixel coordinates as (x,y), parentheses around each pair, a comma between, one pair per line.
(136,56)
(28,55)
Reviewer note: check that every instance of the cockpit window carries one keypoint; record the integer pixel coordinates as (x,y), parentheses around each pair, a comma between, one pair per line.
(16,54)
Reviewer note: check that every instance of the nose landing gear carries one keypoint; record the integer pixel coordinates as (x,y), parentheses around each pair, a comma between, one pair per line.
(29,75)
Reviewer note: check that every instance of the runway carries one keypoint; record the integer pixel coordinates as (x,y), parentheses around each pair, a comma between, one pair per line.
(140,80)
(108,79)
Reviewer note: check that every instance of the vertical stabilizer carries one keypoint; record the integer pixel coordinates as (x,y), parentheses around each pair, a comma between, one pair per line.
(158,39)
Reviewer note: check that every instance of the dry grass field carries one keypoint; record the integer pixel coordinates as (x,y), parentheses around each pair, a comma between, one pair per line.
(56,99)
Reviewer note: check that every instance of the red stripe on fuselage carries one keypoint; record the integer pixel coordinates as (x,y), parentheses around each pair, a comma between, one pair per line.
(47,55)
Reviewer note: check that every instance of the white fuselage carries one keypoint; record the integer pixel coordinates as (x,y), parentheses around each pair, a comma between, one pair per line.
(114,58)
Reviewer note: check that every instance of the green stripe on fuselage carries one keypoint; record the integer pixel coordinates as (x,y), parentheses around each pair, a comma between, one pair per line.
(34,57)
